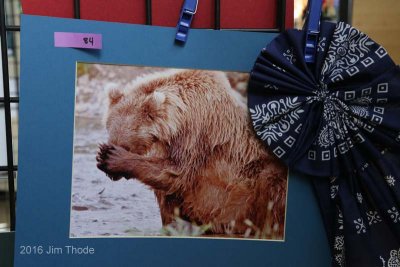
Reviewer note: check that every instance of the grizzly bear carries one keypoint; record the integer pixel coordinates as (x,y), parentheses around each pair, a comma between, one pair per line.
(188,136)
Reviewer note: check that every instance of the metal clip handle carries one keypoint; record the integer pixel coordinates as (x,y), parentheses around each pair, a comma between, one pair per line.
(189,8)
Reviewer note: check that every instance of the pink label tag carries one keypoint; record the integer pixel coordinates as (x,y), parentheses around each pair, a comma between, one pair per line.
(78,40)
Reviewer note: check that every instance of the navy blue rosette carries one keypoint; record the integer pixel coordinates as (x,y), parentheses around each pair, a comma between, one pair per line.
(337,121)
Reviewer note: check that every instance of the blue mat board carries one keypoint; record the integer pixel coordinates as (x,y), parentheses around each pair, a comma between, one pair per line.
(46,145)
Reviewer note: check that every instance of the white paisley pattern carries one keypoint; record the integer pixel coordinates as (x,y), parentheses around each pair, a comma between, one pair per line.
(390,180)
(347,48)
(345,118)
(394,259)
(394,214)
(398,137)
(373,217)
(360,226)
(334,191)
(265,118)
(270,86)
(290,56)
(333,118)
(340,259)
(359,198)
(339,242)
(321,44)
(348,115)
(326,137)
(340,220)
(360,111)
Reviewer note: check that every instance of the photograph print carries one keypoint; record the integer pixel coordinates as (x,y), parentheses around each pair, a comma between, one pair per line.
(161,152)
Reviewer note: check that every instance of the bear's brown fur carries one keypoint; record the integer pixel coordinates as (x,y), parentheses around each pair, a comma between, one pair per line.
(188,136)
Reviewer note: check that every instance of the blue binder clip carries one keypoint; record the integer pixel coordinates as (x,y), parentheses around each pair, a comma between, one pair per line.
(189,8)
(312,30)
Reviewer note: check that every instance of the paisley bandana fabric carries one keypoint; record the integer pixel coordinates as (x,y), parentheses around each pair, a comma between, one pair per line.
(337,121)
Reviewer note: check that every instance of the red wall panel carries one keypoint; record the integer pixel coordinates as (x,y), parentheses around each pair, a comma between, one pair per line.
(166,13)
(235,14)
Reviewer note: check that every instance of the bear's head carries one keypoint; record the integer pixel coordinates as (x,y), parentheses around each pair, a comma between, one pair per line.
(144,116)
